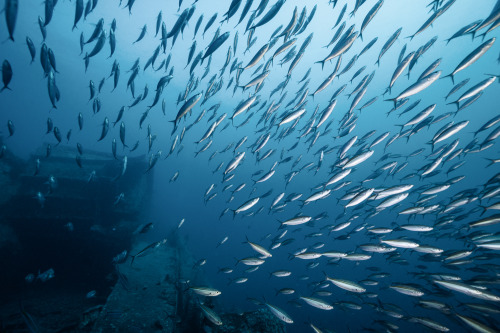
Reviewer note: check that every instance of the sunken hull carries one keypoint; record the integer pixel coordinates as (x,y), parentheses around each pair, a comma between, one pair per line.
(79,221)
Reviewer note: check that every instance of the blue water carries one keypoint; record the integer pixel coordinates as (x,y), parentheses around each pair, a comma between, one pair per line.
(27,105)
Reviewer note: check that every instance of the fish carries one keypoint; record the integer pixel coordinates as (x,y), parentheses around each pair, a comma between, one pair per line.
(210,315)
(407,290)
(215,44)
(78,12)
(474,90)
(187,107)
(317,303)
(147,250)
(292,116)
(210,22)
(273,11)
(491,220)
(97,47)
(346,285)
(256,58)
(476,325)
(97,31)
(279,313)
(471,58)
(246,206)
(388,44)
(105,129)
(429,323)
(288,29)
(369,16)
(6,75)
(417,87)
(233,8)
(400,69)
(11,9)
(142,34)
(342,46)
(158,23)
(467,290)
(400,243)
(112,44)
(297,220)
(205,291)
(31,48)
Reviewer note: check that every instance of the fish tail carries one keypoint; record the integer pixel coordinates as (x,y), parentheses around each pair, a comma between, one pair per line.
(378,62)
(492,161)
(391,100)
(450,75)
(322,62)
(402,126)
(456,103)
(237,261)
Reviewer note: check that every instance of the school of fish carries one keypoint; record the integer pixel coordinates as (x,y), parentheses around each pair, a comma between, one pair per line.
(311,130)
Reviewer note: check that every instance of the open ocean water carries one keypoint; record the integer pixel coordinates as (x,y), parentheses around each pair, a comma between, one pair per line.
(305,186)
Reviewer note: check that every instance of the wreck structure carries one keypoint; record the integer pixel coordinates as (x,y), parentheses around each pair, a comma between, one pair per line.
(57,212)
(74,214)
